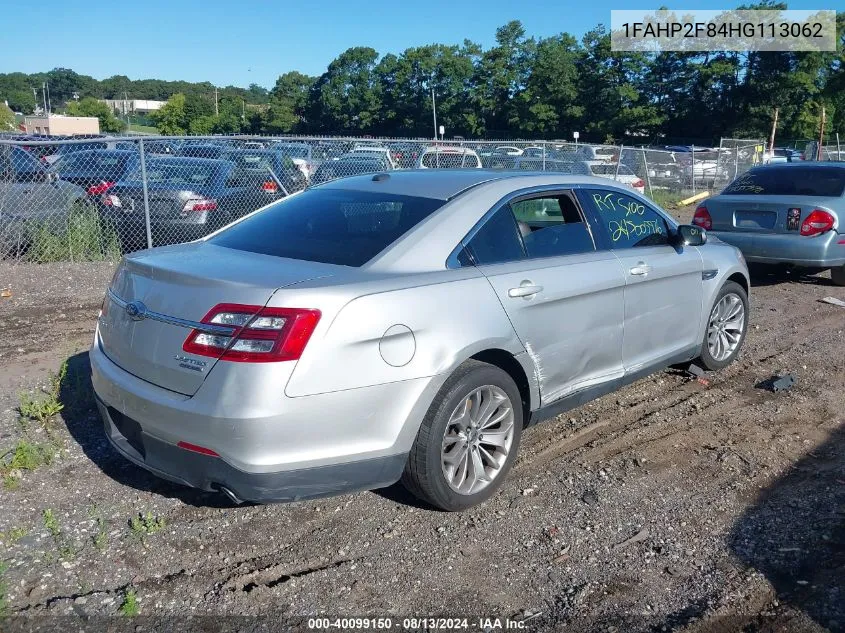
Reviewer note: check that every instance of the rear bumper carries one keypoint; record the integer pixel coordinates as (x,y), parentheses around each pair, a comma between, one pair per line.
(216,475)
(823,251)
(271,447)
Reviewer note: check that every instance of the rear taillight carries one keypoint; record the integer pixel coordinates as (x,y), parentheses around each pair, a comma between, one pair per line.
(203,204)
(638,184)
(817,222)
(96,190)
(255,334)
(269,186)
(111,200)
(702,218)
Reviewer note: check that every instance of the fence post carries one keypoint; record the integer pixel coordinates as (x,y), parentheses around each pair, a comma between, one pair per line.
(618,162)
(546,142)
(647,175)
(692,168)
(146,194)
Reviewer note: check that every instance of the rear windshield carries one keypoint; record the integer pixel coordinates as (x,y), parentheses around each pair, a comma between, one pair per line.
(787,181)
(91,164)
(176,173)
(331,226)
(449,160)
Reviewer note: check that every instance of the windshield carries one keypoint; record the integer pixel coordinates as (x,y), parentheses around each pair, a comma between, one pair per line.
(332,226)
(790,180)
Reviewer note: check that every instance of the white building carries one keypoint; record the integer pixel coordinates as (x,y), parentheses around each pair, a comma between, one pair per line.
(139,106)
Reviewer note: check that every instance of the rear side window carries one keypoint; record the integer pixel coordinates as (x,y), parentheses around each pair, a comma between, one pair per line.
(497,240)
(790,180)
(331,226)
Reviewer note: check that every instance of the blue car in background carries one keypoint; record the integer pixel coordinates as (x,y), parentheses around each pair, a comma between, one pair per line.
(785,213)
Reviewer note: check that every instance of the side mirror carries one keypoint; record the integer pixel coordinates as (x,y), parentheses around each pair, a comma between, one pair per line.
(690,235)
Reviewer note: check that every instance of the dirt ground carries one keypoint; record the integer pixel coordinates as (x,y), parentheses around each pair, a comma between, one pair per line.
(671,505)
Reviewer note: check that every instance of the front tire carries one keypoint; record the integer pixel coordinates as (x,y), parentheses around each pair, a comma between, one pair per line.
(726,327)
(468,439)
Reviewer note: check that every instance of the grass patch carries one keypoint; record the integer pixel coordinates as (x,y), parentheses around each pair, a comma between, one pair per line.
(39,409)
(65,548)
(51,523)
(146,524)
(82,238)
(666,199)
(101,539)
(4,601)
(129,607)
(13,536)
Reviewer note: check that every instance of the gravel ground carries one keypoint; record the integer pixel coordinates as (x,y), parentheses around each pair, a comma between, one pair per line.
(671,505)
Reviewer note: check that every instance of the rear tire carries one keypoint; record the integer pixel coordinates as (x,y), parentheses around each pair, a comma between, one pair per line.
(727,325)
(838,275)
(451,439)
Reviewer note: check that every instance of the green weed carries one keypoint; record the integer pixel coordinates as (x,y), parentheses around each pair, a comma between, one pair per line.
(129,607)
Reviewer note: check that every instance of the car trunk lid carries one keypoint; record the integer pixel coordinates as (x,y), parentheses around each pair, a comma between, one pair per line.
(763,214)
(175,287)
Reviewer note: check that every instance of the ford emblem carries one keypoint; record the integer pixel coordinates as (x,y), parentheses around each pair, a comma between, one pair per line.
(136,311)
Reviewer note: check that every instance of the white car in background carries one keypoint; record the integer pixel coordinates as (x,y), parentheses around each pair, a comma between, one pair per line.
(376,151)
(510,150)
(614,171)
(448,158)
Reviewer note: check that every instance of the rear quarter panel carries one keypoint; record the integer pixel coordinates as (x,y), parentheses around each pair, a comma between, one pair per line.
(425,325)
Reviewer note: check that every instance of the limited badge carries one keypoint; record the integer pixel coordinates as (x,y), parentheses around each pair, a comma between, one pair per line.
(793,218)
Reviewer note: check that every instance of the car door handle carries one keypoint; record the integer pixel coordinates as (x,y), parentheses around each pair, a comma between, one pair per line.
(524,291)
(641,269)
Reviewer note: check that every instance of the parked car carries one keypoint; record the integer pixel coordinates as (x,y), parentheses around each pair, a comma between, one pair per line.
(96,171)
(405,155)
(535,152)
(352,164)
(188,198)
(300,154)
(598,152)
(787,213)
(373,150)
(204,150)
(69,148)
(614,171)
(509,150)
(272,172)
(782,155)
(440,157)
(407,326)
(30,198)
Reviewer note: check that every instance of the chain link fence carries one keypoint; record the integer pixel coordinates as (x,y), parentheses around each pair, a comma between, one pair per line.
(97,198)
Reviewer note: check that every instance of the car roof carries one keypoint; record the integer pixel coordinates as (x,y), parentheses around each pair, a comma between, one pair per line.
(444,184)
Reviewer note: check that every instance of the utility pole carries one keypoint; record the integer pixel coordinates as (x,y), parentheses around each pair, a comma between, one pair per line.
(44,98)
(216,108)
(243,110)
(772,137)
(126,110)
(49,104)
(821,136)
(433,110)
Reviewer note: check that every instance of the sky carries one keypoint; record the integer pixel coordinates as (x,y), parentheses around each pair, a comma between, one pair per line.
(254,41)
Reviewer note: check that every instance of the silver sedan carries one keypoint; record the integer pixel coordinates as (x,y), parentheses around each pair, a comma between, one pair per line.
(405,325)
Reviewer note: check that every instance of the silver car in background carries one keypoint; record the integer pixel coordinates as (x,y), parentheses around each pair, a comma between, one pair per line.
(403,325)
(784,213)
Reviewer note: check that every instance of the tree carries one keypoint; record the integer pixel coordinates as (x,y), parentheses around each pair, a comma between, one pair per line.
(22,101)
(7,118)
(89,106)
(288,102)
(346,97)
(170,118)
